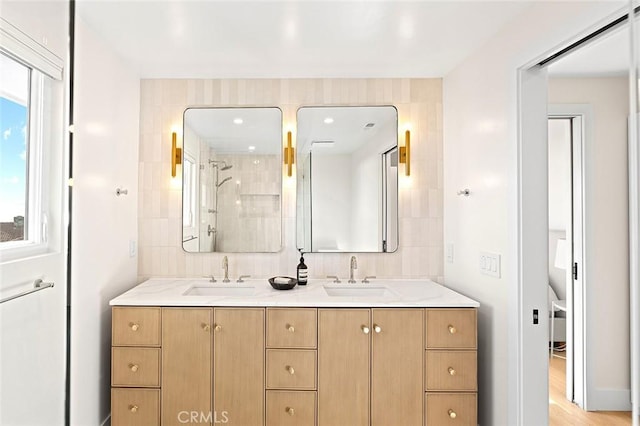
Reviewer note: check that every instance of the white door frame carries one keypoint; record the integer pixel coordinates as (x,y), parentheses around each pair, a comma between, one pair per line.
(578,323)
(532,230)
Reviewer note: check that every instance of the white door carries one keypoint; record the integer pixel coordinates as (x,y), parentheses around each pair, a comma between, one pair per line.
(33,203)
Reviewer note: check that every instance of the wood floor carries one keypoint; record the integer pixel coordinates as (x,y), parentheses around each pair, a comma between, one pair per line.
(563,412)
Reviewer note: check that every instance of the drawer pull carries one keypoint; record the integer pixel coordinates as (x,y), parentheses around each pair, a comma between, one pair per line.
(290,328)
(377,328)
(217,327)
(290,411)
(365,329)
(206,327)
(452,371)
(134,326)
(452,413)
(452,329)
(290,369)
(133,367)
(133,408)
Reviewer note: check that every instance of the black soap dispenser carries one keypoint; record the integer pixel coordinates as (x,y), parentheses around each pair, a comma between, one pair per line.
(303,271)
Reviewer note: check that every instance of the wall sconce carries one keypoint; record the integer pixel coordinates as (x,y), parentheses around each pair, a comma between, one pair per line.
(289,156)
(176,154)
(405,153)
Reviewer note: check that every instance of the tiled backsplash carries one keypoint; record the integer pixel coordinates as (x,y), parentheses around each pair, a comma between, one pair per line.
(419,104)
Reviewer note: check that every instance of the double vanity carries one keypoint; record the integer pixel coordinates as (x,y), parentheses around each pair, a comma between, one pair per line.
(390,352)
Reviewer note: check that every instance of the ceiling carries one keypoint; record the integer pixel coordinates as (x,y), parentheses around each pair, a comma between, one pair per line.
(606,56)
(295,39)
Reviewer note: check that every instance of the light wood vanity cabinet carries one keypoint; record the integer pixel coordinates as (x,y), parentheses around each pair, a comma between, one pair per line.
(451,367)
(186,363)
(370,366)
(291,366)
(135,366)
(239,365)
(294,366)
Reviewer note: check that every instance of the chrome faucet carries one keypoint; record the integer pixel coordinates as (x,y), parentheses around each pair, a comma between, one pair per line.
(353,266)
(225,267)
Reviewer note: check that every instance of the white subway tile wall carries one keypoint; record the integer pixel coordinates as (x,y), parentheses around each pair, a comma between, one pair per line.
(419,103)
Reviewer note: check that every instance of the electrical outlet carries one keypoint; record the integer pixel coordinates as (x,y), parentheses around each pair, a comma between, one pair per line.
(490,264)
(133,249)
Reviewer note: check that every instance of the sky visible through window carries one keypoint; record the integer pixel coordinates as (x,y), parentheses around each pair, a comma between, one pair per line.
(13,160)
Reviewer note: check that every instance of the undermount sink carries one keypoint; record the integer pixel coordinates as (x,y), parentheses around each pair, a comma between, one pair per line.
(228,290)
(356,291)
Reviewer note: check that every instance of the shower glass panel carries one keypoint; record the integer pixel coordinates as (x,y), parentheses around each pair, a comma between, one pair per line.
(236,201)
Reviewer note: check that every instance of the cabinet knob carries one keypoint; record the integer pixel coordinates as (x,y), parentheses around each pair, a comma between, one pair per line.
(452,413)
(133,408)
(290,369)
(452,371)
(452,329)
(377,328)
(134,326)
(290,411)
(365,329)
(217,327)
(290,328)
(206,327)
(133,367)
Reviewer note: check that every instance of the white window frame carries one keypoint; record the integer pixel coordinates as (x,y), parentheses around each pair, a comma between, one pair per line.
(45,67)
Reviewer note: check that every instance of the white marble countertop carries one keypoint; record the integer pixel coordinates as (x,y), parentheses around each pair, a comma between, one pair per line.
(258,292)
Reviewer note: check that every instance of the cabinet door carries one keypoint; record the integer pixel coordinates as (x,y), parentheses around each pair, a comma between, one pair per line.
(397,351)
(238,372)
(186,364)
(343,367)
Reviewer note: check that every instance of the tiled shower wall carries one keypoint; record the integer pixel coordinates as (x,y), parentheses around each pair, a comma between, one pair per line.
(419,104)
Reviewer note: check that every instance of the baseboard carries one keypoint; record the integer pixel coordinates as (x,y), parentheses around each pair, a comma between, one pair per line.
(609,400)
(107,421)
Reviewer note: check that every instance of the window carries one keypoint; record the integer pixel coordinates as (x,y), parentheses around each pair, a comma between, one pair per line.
(21,219)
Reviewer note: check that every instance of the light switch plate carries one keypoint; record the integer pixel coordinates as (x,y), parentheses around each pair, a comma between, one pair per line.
(133,249)
(490,264)
(449,252)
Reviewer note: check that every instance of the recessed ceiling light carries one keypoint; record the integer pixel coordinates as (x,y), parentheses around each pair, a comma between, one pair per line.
(328,120)
(252,148)
(237,120)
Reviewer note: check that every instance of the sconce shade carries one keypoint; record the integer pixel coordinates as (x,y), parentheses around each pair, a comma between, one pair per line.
(561,254)
(405,153)
(176,154)
(289,155)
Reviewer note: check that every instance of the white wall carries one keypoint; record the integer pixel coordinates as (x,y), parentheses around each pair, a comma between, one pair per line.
(480,152)
(418,101)
(331,202)
(607,232)
(105,156)
(33,328)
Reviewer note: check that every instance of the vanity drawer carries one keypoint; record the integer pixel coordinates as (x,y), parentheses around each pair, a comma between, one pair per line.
(459,409)
(135,327)
(135,366)
(291,408)
(291,369)
(451,370)
(291,328)
(451,328)
(139,407)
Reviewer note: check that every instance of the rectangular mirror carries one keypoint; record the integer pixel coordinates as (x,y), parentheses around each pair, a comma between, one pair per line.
(232,180)
(347,171)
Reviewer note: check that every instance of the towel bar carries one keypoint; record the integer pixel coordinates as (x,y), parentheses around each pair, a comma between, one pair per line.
(37,286)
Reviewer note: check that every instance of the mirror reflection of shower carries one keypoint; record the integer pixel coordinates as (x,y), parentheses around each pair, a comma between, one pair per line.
(218,166)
